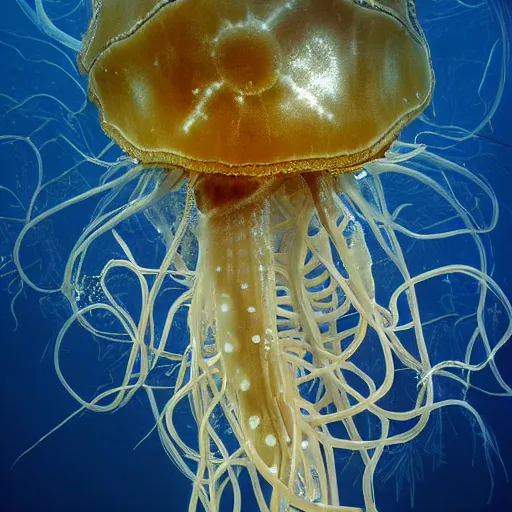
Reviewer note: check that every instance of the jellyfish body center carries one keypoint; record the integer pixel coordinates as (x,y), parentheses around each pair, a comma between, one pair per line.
(248,59)
(236,280)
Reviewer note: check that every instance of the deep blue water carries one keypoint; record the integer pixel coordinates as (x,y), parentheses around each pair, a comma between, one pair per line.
(90,464)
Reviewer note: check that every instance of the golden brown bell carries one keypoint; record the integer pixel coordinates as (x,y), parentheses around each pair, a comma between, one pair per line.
(256,87)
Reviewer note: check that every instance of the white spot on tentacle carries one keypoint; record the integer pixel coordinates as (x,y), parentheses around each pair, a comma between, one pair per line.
(229,347)
(254,422)
(245,385)
(270,440)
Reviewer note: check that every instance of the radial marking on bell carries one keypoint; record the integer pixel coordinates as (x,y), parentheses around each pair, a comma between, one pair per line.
(226,26)
(279,11)
(141,93)
(199,112)
(254,422)
(228,347)
(307,97)
(245,385)
(270,440)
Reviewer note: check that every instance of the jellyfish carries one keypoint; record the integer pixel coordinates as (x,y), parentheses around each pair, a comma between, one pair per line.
(276,124)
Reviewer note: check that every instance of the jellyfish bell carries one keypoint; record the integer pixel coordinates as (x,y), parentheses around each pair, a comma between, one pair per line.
(261,105)
(256,88)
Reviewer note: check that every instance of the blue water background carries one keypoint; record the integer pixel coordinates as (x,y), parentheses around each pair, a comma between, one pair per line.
(90,464)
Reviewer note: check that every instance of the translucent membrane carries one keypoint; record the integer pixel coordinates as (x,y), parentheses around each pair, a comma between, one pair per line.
(282,308)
